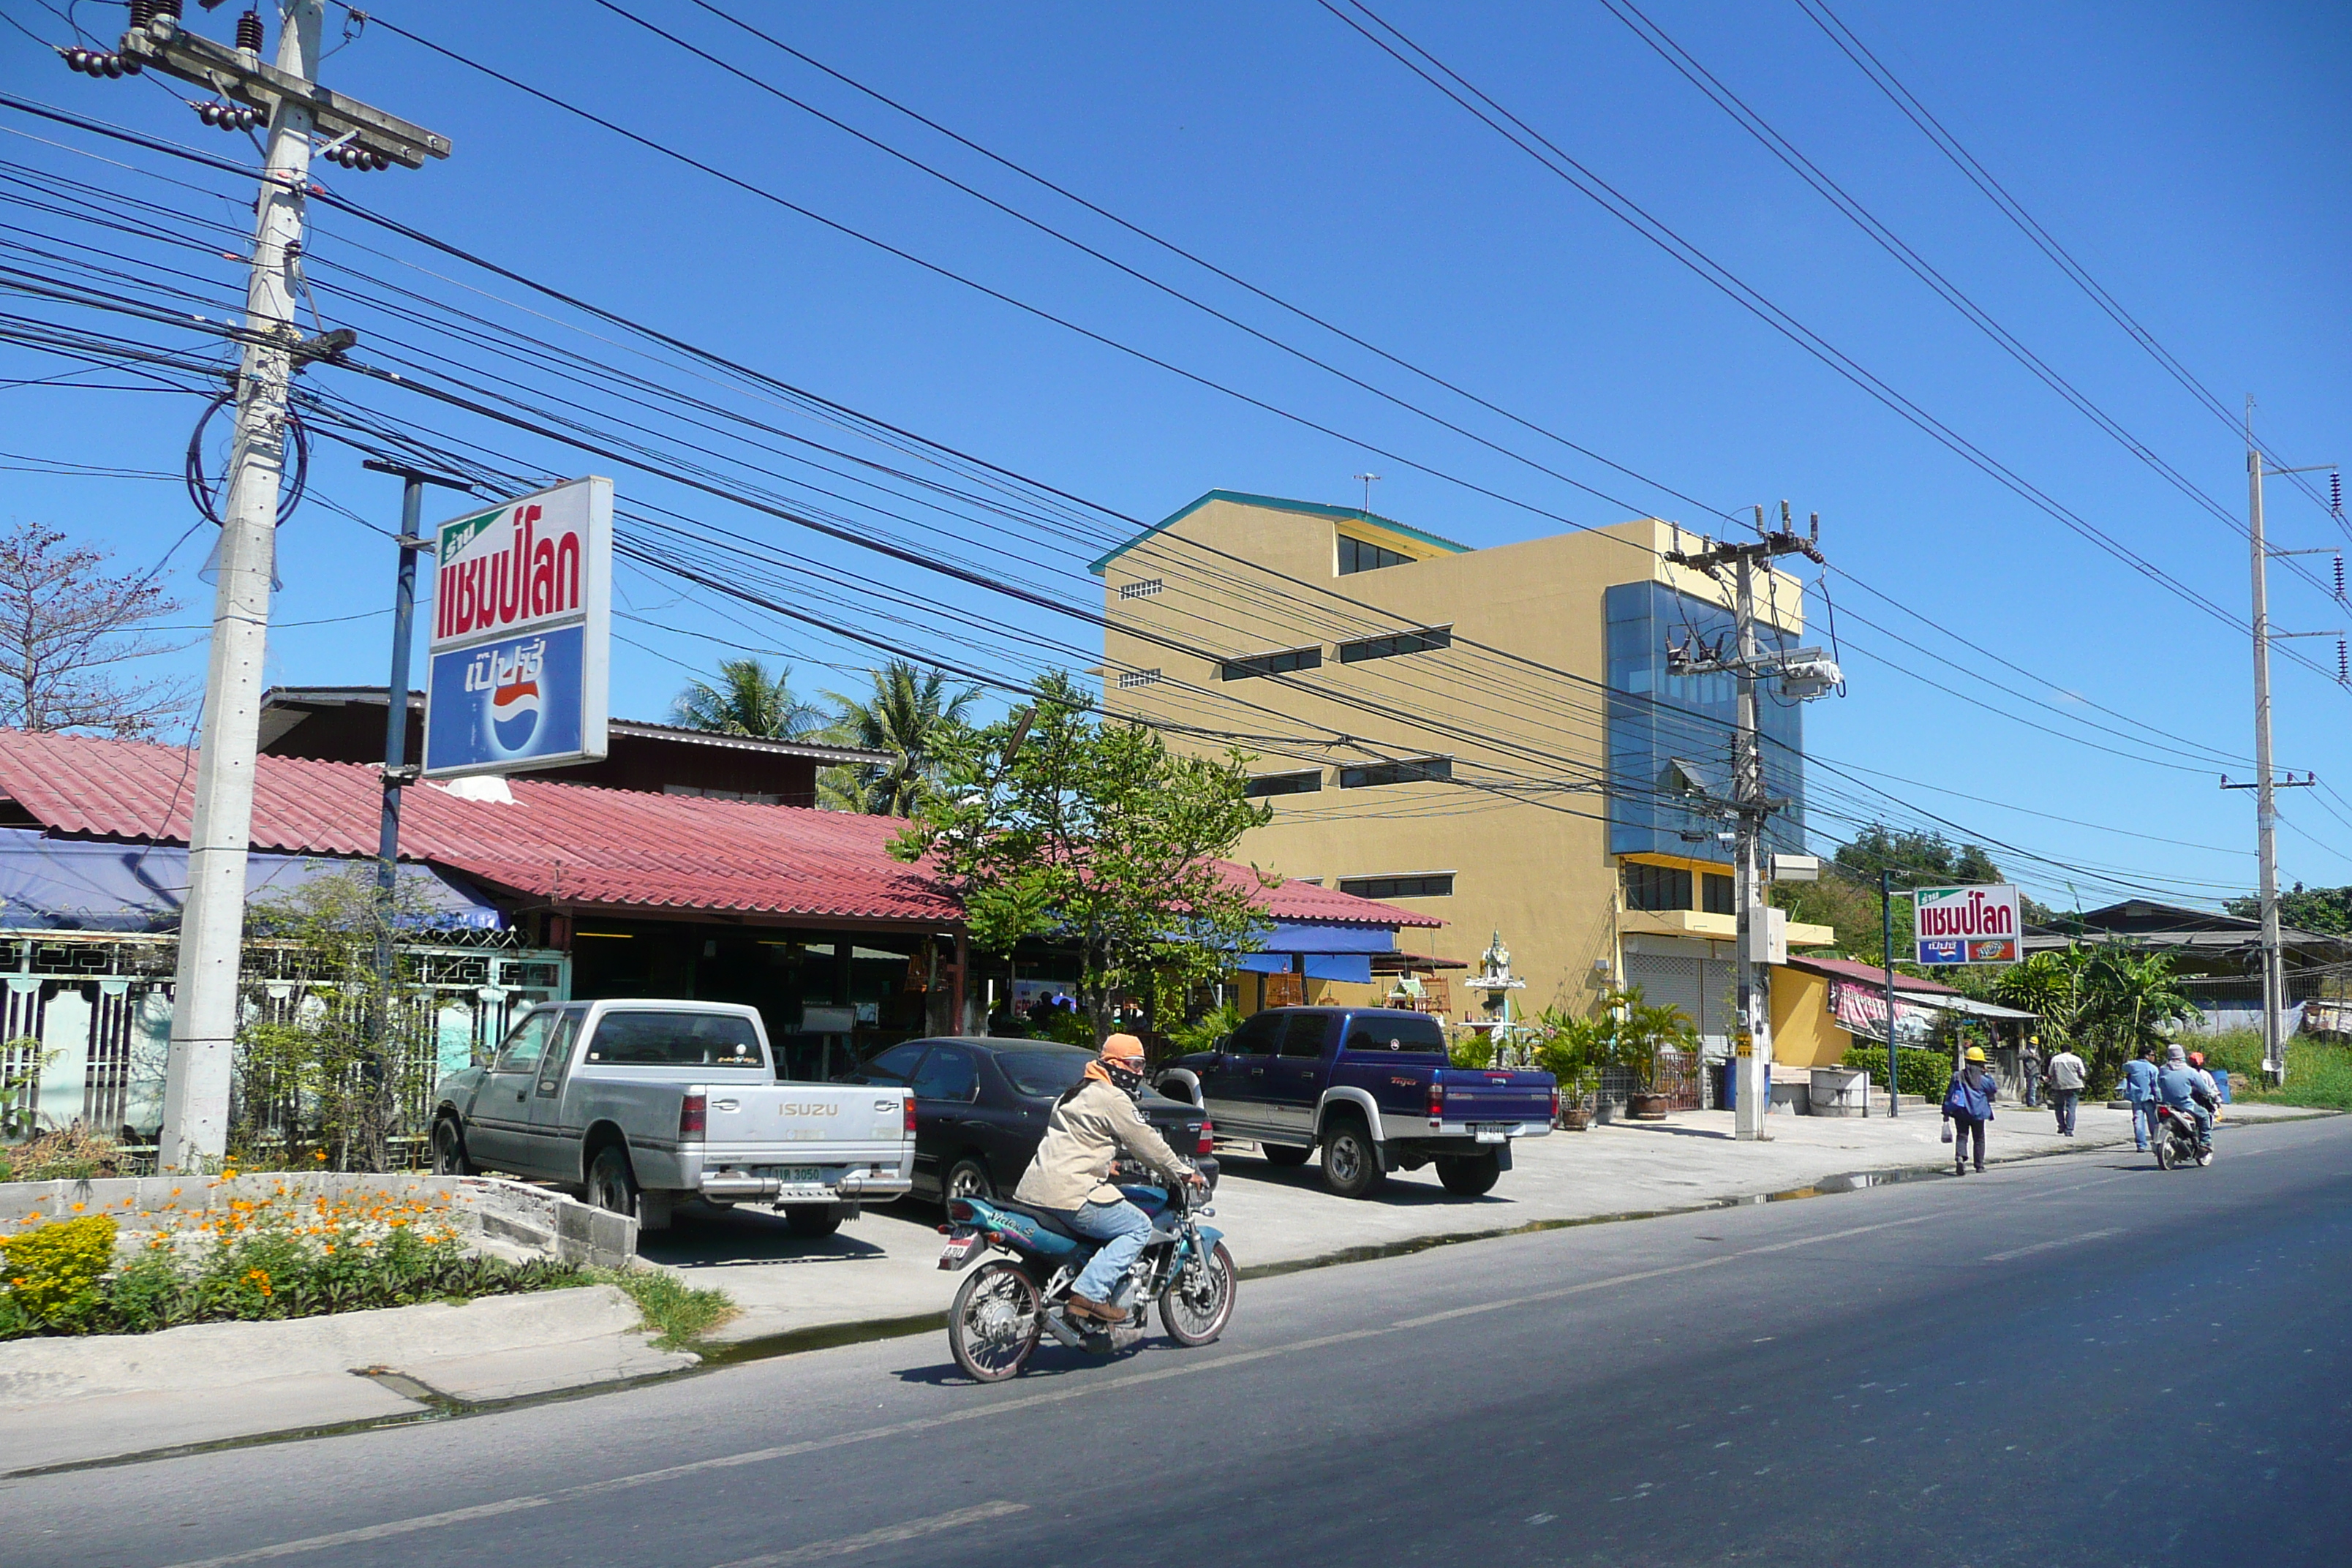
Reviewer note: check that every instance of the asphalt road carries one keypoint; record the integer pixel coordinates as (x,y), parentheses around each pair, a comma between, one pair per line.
(2079,1360)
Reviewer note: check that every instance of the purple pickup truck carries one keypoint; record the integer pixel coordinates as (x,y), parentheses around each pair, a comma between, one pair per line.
(1372,1088)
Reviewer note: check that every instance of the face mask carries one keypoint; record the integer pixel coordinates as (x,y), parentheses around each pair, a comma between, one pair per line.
(1127,1077)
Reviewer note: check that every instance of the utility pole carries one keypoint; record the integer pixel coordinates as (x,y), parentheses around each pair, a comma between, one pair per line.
(204,999)
(1805,673)
(2265,783)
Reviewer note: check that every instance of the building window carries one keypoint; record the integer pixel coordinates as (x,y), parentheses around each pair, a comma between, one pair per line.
(1414,771)
(1271,663)
(1141,588)
(1656,888)
(1361,555)
(1421,641)
(1717,892)
(1421,885)
(1266,785)
(1130,678)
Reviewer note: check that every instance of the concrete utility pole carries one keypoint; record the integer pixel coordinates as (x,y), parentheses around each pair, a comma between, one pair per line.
(205,1000)
(2265,784)
(1806,673)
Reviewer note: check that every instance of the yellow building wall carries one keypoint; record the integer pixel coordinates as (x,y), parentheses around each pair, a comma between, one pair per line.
(1805,1033)
(1525,836)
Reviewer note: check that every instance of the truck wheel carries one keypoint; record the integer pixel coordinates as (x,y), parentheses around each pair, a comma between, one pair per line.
(813,1221)
(1283,1156)
(967,1178)
(449,1149)
(1351,1161)
(1469,1175)
(612,1184)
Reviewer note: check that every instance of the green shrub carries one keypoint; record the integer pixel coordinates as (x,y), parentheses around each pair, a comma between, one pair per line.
(53,1270)
(2319,1074)
(72,1153)
(678,1312)
(1924,1073)
(1471,1048)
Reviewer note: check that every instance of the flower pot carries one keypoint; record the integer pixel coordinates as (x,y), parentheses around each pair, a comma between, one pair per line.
(1575,1118)
(1646,1106)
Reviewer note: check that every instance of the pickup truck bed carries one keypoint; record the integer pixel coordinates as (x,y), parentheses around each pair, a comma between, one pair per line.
(1372,1088)
(639,1104)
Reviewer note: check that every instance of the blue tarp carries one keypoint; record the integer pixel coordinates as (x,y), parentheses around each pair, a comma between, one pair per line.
(1330,951)
(71,884)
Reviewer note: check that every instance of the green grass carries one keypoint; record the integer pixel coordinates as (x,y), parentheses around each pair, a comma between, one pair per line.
(2317,1074)
(677,1313)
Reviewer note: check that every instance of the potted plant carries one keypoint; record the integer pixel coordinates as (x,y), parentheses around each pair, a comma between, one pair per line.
(1644,1032)
(1572,1049)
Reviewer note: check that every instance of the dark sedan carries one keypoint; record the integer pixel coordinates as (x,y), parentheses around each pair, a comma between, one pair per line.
(981,1105)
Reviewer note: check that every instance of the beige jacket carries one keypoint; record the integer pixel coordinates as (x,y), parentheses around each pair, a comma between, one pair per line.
(1084,1135)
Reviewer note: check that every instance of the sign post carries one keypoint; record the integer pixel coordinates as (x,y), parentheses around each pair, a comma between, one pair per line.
(517,667)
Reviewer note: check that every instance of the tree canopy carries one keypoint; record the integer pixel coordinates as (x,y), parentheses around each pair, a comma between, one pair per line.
(747,701)
(68,631)
(1052,824)
(911,714)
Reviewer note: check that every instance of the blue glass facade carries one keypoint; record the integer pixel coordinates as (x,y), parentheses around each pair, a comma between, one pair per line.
(1656,717)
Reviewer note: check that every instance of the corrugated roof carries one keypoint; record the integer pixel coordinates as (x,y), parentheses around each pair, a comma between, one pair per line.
(1869,975)
(617,849)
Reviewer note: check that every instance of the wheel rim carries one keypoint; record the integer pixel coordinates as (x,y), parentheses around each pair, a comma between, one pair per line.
(996,1323)
(1347,1158)
(967,1181)
(1202,1297)
(445,1147)
(609,1192)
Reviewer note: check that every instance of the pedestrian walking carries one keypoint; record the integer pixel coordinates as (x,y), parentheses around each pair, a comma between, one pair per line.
(2139,1089)
(2029,1068)
(2067,1074)
(1968,1106)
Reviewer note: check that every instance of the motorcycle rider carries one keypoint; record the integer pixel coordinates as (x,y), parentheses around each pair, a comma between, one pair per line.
(2178,1085)
(1095,1119)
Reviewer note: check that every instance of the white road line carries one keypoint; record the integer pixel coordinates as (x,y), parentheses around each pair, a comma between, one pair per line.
(889,1535)
(2046,1246)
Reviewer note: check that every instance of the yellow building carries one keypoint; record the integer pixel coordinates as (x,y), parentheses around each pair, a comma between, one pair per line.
(1476,734)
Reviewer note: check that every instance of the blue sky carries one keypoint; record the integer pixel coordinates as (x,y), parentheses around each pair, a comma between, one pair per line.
(2193,159)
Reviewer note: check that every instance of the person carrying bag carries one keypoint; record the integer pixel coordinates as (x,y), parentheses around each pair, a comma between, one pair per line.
(1968,1106)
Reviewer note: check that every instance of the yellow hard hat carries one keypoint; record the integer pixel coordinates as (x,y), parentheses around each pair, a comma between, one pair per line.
(1976,1053)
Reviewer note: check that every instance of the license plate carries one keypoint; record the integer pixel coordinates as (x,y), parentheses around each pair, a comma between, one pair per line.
(959,1251)
(795,1175)
(1490,1134)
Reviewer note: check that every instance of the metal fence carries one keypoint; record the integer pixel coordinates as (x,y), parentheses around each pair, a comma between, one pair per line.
(99,1007)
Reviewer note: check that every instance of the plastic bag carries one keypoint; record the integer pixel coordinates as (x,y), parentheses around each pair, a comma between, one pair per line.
(1948,1130)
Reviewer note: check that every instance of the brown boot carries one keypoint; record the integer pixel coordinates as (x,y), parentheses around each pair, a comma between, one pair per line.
(1100,1311)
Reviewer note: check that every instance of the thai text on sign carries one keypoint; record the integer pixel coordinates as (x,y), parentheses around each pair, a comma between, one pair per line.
(1966,925)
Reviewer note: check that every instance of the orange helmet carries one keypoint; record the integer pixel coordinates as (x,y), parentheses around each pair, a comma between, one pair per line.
(2196,1059)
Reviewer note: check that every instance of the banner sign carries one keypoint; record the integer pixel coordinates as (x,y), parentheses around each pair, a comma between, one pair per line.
(1966,925)
(517,665)
(1862,1010)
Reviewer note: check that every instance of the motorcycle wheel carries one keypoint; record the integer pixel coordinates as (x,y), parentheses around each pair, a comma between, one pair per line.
(2164,1150)
(994,1326)
(1199,1303)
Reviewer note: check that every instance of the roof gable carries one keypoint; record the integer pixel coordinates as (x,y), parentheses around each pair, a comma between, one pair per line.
(1277,503)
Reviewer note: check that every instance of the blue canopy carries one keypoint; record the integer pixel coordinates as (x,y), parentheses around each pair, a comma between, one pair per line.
(1329,950)
(73,884)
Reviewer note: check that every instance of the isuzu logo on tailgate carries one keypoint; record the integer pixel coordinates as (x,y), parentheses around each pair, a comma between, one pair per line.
(790,1108)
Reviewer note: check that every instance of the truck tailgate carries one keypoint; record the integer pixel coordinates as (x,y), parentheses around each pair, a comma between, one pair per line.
(1483,1095)
(805,1122)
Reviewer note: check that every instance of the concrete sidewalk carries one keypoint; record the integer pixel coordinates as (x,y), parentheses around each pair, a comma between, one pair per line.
(68,1401)
(884,1266)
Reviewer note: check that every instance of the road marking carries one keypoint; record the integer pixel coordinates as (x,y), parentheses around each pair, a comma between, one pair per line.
(2046,1246)
(889,1535)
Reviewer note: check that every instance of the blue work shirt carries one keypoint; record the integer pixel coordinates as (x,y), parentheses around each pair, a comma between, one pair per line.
(2139,1080)
(2178,1087)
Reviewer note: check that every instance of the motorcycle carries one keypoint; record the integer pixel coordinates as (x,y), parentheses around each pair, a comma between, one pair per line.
(1002,1311)
(2176,1142)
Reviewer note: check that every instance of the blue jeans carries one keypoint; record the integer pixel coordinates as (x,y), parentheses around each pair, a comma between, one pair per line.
(1122,1229)
(2069,1100)
(2142,1122)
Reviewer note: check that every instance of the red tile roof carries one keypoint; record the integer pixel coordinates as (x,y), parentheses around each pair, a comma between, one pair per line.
(1869,975)
(614,849)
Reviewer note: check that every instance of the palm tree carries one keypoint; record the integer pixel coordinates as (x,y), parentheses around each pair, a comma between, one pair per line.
(748,700)
(2048,985)
(2130,1000)
(907,714)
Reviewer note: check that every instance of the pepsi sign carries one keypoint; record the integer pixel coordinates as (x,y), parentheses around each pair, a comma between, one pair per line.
(517,665)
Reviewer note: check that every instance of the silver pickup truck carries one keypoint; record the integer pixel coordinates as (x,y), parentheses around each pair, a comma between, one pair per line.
(637,1105)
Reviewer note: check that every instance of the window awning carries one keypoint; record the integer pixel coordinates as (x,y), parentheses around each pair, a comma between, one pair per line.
(1325,950)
